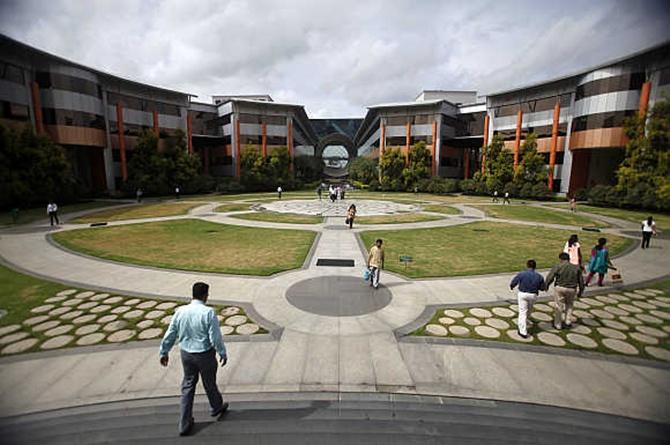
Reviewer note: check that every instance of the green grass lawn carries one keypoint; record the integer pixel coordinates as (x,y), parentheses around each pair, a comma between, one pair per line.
(540,214)
(195,245)
(397,218)
(438,208)
(634,216)
(477,248)
(30,215)
(289,218)
(232,208)
(138,212)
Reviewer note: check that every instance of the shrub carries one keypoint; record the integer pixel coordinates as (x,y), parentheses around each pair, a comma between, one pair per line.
(541,191)
(598,195)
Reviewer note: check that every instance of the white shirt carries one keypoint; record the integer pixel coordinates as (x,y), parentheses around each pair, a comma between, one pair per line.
(52,208)
(279,189)
(648,228)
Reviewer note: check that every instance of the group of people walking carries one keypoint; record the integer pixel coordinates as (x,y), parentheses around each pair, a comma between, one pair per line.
(506,199)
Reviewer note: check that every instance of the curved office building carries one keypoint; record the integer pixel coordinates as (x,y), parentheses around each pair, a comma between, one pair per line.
(97,118)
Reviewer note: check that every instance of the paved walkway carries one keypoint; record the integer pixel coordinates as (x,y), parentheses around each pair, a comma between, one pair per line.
(325,353)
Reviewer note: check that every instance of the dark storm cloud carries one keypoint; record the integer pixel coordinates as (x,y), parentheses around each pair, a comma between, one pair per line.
(336,56)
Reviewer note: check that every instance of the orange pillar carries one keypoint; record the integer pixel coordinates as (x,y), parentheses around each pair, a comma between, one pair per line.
(433,149)
(122,141)
(644,98)
(466,163)
(517,140)
(554,143)
(264,140)
(238,150)
(289,139)
(37,107)
(189,132)
(157,130)
(486,142)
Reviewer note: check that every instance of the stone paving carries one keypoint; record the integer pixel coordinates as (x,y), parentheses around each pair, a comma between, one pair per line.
(74,317)
(339,208)
(630,323)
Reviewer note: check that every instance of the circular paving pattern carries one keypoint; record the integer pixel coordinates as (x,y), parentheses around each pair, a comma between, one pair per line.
(481,313)
(620,346)
(337,296)
(471,321)
(503,312)
(57,342)
(316,207)
(122,335)
(581,340)
(20,346)
(461,331)
(487,331)
(91,339)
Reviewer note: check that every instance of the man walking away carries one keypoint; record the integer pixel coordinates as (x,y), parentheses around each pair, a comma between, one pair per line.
(197,328)
(139,194)
(569,285)
(52,211)
(530,284)
(279,190)
(495,196)
(176,192)
(319,191)
(648,229)
(376,262)
(506,199)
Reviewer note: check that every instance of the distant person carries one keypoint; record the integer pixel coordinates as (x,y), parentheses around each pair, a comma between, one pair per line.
(176,192)
(319,191)
(574,250)
(648,229)
(530,284)
(506,199)
(139,194)
(351,215)
(569,285)
(376,262)
(332,194)
(279,190)
(573,205)
(344,189)
(495,196)
(599,262)
(196,327)
(338,193)
(52,211)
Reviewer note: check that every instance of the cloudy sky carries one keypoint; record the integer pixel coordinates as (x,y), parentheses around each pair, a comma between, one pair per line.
(336,57)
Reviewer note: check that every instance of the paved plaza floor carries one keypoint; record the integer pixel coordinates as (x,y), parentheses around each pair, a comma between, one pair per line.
(324,331)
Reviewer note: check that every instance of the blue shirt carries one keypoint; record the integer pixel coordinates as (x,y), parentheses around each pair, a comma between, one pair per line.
(528,281)
(197,328)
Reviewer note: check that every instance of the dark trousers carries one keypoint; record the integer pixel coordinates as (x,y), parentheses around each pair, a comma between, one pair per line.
(53,216)
(198,364)
(601,277)
(646,238)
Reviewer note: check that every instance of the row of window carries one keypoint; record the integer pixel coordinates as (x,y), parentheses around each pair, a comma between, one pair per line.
(532,106)
(16,112)
(72,118)
(471,125)
(11,73)
(140,104)
(395,141)
(543,131)
(205,123)
(420,119)
(664,77)
(252,139)
(625,82)
(64,82)
(246,118)
(601,120)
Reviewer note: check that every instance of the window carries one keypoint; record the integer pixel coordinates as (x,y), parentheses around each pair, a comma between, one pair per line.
(71,118)
(396,120)
(395,141)
(248,139)
(423,119)
(10,110)
(601,120)
(274,120)
(625,82)
(276,140)
(64,82)
(11,73)
(246,118)
(506,110)
(140,104)
(427,139)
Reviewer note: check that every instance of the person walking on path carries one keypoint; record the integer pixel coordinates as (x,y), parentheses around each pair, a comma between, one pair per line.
(648,229)
(331,193)
(351,214)
(569,284)
(376,262)
(573,205)
(319,191)
(52,211)
(197,328)
(279,190)
(599,262)
(495,196)
(530,284)
(574,251)
(138,194)
(176,192)
(506,199)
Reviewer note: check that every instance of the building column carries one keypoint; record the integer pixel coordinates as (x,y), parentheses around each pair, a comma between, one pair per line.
(486,141)
(189,132)
(108,150)
(517,140)
(37,107)
(408,137)
(554,143)
(382,144)
(644,98)
(238,150)
(433,165)
(122,141)
(466,163)
(264,140)
(157,130)
(289,140)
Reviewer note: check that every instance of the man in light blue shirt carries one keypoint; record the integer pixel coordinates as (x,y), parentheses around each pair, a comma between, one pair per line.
(197,328)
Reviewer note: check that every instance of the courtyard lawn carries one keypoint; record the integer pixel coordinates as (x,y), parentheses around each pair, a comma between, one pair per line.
(399,218)
(478,248)
(26,216)
(138,212)
(232,208)
(276,217)
(634,216)
(445,209)
(540,214)
(195,245)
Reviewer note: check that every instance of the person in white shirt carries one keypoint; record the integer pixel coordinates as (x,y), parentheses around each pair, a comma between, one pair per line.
(648,229)
(52,211)
(279,190)
(506,198)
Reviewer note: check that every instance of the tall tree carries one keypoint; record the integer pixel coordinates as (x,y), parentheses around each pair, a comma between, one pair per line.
(419,166)
(364,170)
(391,166)
(531,169)
(499,165)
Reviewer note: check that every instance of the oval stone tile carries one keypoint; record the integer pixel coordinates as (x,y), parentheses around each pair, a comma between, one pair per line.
(29,322)
(611,333)
(620,346)
(57,342)
(541,316)
(120,309)
(602,314)
(19,346)
(446,320)
(133,314)
(605,299)
(661,314)
(99,297)
(514,335)
(144,324)
(453,313)
(487,331)
(592,302)
(252,328)
(15,327)
(113,300)
(72,302)
(497,323)
(651,331)
(107,318)
(152,315)
(59,311)
(503,312)
(88,305)
(471,321)
(84,319)
(132,302)
(147,304)
(66,293)
(661,354)
(481,313)
(88,329)
(41,309)
(432,329)
(543,307)
(616,325)
(12,338)
(550,339)
(46,325)
(227,330)
(55,299)
(644,305)
(649,319)
(460,331)
(59,330)
(121,336)
(581,340)
(84,295)
(100,308)
(150,333)
(91,339)
(70,315)
(642,338)
(231,310)
(236,320)
(630,320)
(168,305)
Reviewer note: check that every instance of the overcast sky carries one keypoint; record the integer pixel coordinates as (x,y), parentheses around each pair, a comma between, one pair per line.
(336,57)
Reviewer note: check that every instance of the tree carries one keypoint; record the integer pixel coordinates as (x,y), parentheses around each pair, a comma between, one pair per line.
(420,161)
(33,169)
(531,170)
(363,170)
(308,168)
(499,165)
(391,166)
(265,174)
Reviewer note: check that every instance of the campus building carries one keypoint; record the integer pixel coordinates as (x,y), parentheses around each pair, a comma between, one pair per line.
(97,117)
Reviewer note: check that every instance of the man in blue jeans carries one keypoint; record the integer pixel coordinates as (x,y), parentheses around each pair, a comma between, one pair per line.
(197,328)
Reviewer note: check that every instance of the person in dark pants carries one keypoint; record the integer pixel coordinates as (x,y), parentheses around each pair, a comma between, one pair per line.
(648,229)
(52,211)
(351,215)
(197,328)
(319,192)
(176,192)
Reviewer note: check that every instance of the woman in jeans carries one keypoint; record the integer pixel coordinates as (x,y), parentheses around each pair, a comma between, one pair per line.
(600,262)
